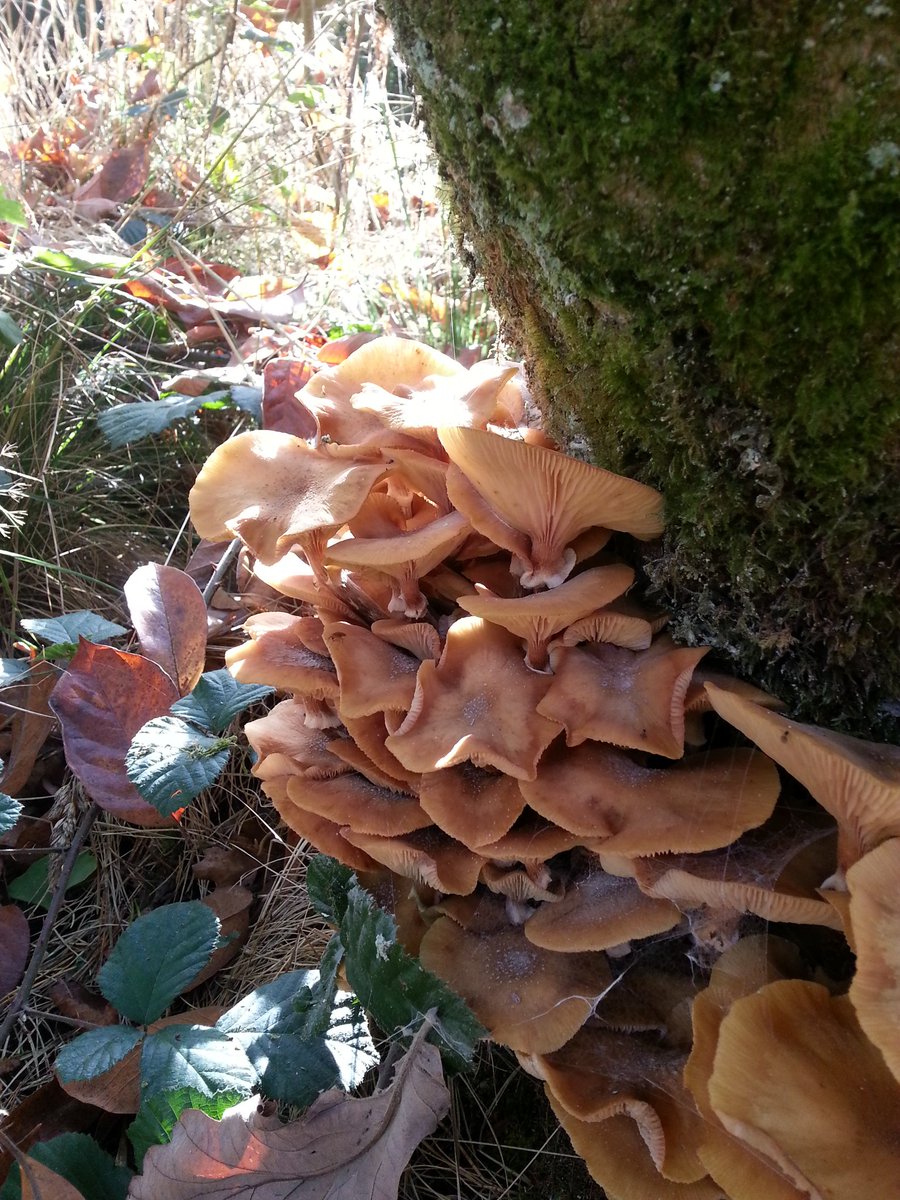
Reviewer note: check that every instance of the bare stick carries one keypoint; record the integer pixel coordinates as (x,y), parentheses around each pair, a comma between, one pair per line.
(56,900)
(218,575)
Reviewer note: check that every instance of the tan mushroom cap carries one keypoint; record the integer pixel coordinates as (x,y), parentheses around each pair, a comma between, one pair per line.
(531,839)
(461,400)
(548,497)
(477,704)
(603,1073)
(271,490)
(620,807)
(598,911)
(347,750)
(320,833)
(522,882)
(874,884)
(536,618)
(618,1159)
(471,804)
(389,362)
(743,1172)
(275,655)
(628,698)
(418,637)
(772,871)
(292,576)
(857,782)
(404,558)
(420,472)
(283,731)
(355,801)
(370,734)
(374,675)
(426,856)
(529,999)
(790,1042)
(618,628)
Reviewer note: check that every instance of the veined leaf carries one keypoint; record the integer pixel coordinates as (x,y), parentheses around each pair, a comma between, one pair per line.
(157,956)
(194,1056)
(157,1115)
(10,810)
(126,423)
(95,1052)
(78,1159)
(217,699)
(169,617)
(12,670)
(171,762)
(328,883)
(69,627)
(32,886)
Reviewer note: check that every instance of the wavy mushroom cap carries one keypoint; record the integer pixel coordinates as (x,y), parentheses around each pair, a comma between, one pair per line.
(276,655)
(271,490)
(857,782)
(472,805)
(874,884)
(427,856)
(374,675)
(545,497)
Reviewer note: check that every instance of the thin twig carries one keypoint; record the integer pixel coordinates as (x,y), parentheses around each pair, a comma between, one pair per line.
(219,573)
(56,900)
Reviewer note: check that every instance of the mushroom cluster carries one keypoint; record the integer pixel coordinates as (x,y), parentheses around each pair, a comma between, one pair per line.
(480,722)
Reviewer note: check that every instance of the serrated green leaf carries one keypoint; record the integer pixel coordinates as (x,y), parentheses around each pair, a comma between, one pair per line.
(32,886)
(12,212)
(95,1052)
(328,883)
(194,1056)
(312,1008)
(77,1158)
(266,1006)
(68,627)
(156,1117)
(217,699)
(10,811)
(9,330)
(126,423)
(396,989)
(171,762)
(12,670)
(157,957)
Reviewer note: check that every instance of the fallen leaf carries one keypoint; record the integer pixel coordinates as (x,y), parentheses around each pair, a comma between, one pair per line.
(169,617)
(40,1183)
(14,946)
(341,1147)
(232,907)
(223,866)
(103,699)
(121,177)
(281,410)
(31,723)
(118,1090)
(336,350)
(46,1113)
(74,1000)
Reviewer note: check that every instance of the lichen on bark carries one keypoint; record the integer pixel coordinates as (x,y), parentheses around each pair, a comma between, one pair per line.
(686,213)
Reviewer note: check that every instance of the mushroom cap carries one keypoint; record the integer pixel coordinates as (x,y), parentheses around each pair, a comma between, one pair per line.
(270,489)
(608,625)
(389,362)
(419,638)
(857,782)
(355,801)
(292,576)
(283,731)
(620,807)
(319,832)
(374,675)
(472,805)
(426,856)
(531,839)
(602,1073)
(874,884)
(598,911)
(781,1047)
(628,698)
(548,497)
(275,655)
(529,999)
(537,617)
(370,734)
(477,704)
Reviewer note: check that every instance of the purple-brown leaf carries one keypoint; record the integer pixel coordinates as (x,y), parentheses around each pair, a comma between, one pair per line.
(14,945)
(169,617)
(102,701)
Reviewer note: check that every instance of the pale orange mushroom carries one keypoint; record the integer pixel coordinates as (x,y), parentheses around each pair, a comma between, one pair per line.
(478,704)
(276,655)
(354,801)
(471,804)
(536,618)
(274,492)
(547,498)
(427,856)
(319,832)
(283,731)
(374,675)
(857,782)
(404,559)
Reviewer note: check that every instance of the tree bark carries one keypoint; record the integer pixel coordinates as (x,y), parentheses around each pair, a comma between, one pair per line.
(685,211)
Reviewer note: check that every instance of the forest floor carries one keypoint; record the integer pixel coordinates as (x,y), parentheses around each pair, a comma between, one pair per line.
(188,191)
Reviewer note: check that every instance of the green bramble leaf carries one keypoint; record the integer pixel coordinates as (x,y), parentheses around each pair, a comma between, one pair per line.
(217,699)
(328,883)
(9,330)
(170,762)
(68,627)
(95,1052)
(11,211)
(33,887)
(157,957)
(12,670)
(194,1056)
(10,811)
(124,423)
(157,1115)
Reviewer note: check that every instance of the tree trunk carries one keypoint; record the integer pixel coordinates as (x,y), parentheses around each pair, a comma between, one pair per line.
(686,213)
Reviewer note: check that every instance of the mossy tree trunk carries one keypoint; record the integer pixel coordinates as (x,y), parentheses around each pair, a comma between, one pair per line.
(686,211)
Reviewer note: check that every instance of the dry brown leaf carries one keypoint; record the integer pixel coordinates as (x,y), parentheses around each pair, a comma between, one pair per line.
(342,1147)
(232,907)
(31,723)
(40,1183)
(169,616)
(79,1003)
(14,945)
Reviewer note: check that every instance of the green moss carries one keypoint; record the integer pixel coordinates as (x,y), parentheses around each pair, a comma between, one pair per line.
(685,210)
